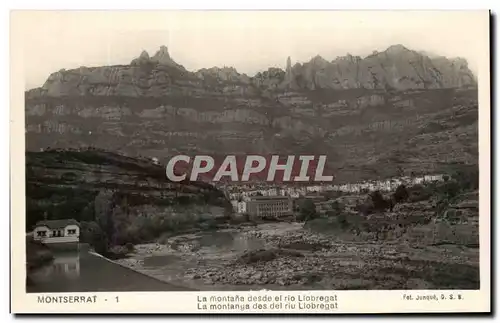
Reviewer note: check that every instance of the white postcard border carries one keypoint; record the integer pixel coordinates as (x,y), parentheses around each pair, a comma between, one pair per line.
(187,302)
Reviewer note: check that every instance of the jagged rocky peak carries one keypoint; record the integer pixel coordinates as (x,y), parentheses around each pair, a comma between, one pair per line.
(144,55)
(397,49)
(459,61)
(401,52)
(289,80)
(397,67)
(225,73)
(319,61)
(348,57)
(288,70)
(162,57)
(431,55)
(142,59)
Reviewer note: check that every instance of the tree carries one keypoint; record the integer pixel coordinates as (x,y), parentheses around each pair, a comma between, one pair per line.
(401,194)
(307,210)
(104,206)
(87,213)
(92,234)
(379,203)
(130,247)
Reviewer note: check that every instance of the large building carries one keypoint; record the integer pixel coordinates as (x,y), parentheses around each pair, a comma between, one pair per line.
(270,207)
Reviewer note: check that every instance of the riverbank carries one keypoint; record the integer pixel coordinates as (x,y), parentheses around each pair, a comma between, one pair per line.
(429,241)
(289,256)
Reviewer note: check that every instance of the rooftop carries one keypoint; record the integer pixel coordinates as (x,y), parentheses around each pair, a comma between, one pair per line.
(57,224)
(261,198)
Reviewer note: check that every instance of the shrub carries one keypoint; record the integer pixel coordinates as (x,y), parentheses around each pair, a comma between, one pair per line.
(92,234)
(307,211)
(130,247)
(448,189)
(419,192)
(379,203)
(337,206)
(401,194)
(365,208)
(441,206)
(342,221)
(467,179)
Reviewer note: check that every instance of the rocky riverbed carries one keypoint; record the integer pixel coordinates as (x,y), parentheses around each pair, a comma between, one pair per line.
(288,256)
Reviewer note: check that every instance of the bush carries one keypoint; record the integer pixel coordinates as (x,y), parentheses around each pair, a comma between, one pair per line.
(307,211)
(379,203)
(343,221)
(441,206)
(337,206)
(401,194)
(467,176)
(448,189)
(92,234)
(418,192)
(130,247)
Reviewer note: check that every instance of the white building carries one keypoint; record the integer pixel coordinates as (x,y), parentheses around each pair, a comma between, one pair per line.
(57,232)
(239,207)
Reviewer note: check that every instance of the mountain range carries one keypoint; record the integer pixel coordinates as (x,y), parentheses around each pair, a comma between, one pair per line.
(372,116)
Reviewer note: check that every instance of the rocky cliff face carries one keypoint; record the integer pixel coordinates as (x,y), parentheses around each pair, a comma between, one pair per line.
(396,68)
(65,184)
(350,109)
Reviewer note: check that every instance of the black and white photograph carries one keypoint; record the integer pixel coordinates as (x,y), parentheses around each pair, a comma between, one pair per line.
(231,151)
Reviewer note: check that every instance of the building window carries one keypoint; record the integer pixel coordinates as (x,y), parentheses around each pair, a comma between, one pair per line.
(57,233)
(72,231)
(41,233)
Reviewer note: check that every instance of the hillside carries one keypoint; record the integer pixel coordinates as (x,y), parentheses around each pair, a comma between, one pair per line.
(71,184)
(397,109)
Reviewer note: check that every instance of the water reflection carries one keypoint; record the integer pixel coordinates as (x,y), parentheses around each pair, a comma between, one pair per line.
(65,266)
(84,272)
(229,241)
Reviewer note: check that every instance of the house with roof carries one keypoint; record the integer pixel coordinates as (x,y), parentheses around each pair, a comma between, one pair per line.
(57,232)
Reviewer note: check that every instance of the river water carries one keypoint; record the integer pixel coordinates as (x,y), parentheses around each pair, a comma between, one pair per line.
(169,262)
(211,260)
(86,272)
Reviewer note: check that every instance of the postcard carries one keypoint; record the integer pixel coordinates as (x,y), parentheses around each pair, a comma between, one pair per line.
(250,162)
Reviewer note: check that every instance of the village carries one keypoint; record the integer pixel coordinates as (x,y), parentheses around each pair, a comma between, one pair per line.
(260,200)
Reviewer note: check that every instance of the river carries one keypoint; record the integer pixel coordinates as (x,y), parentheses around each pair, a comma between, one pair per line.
(290,258)
(294,258)
(87,272)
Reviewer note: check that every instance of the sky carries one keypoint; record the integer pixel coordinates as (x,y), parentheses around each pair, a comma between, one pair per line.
(249,41)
